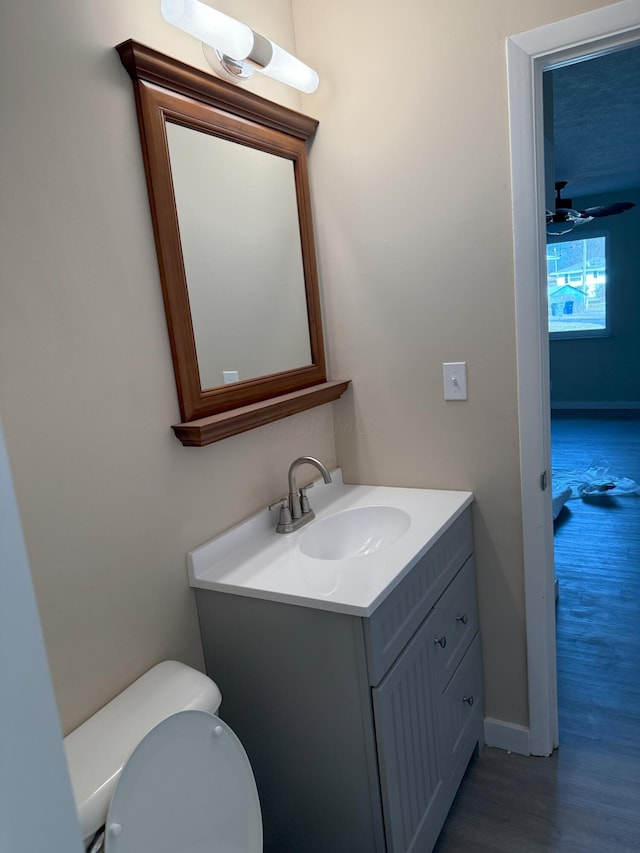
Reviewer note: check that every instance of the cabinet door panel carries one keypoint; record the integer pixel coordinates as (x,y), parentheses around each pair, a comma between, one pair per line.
(407,750)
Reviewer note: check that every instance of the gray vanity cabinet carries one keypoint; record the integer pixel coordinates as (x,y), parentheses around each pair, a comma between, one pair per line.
(358,729)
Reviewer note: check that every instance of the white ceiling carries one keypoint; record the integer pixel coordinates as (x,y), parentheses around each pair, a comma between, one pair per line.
(596,118)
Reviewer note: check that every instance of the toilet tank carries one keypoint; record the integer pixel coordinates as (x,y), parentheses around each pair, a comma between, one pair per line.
(98,749)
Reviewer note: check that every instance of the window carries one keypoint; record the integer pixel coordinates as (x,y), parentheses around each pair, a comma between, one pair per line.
(577,287)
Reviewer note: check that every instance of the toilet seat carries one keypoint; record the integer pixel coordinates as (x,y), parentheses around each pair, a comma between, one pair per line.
(188,786)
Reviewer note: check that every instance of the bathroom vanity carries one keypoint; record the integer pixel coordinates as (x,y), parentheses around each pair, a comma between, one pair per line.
(352,677)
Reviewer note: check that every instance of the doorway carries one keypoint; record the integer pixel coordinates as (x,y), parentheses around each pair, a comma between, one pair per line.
(528,55)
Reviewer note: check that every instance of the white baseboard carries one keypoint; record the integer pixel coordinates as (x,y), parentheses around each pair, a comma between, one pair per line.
(596,405)
(507,736)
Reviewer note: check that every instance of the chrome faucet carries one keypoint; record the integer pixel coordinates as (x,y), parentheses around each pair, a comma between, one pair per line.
(294,508)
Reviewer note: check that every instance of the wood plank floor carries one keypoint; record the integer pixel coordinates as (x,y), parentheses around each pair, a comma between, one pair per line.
(586,796)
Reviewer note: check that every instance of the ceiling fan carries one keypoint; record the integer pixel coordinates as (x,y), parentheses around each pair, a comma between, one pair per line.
(566,217)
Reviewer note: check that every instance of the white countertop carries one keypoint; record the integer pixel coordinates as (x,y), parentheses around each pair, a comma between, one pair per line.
(252,559)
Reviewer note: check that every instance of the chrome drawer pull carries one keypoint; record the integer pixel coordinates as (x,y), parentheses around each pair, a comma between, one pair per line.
(464,618)
(440,641)
(468,700)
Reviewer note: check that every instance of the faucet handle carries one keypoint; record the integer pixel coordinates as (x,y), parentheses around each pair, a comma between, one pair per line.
(284,519)
(304,500)
(281,502)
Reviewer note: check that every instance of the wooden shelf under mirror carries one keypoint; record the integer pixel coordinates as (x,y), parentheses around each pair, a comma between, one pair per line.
(216,427)
(230,202)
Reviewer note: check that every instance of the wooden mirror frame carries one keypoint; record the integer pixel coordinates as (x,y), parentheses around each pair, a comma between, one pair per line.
(168,89)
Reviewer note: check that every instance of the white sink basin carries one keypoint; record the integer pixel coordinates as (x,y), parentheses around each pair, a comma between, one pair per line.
(361,543)
(356,532)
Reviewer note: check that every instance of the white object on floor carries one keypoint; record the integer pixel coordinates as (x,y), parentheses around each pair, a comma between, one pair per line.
(559,500)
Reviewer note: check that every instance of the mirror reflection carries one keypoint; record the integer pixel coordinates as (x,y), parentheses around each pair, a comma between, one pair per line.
(238,219)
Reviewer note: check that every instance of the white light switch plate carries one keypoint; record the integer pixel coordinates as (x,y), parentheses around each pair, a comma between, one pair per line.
(455,380)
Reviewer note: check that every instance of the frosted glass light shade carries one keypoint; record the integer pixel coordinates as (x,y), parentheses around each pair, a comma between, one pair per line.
(208,25)
(288,69)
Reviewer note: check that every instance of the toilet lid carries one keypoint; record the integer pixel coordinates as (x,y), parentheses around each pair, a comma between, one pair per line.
(188,786)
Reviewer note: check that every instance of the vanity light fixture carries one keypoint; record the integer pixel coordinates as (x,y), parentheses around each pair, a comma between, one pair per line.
(238,48)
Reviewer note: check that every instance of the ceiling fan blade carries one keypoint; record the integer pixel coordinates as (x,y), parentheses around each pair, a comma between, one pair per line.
(568,214)
(565,217)
(557,229)
(608,209)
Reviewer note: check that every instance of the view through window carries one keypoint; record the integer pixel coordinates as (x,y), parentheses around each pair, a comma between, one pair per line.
(577,286)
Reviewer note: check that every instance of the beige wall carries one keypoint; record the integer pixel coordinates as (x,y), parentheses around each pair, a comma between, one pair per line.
(110,500)
(410,171)
(410,177)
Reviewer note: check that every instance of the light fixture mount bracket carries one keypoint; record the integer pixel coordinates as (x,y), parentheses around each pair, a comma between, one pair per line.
(240,69)
(234,69)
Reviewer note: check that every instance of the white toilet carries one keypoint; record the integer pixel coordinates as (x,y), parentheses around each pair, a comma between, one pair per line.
(162,772)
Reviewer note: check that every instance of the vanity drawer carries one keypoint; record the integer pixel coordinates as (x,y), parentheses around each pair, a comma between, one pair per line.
(391,626)
(460,723)
(453,624)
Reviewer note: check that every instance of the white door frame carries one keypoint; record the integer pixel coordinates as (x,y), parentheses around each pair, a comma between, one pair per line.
(528,54)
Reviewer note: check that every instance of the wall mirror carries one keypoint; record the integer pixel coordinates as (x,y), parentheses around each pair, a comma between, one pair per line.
(229,195)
